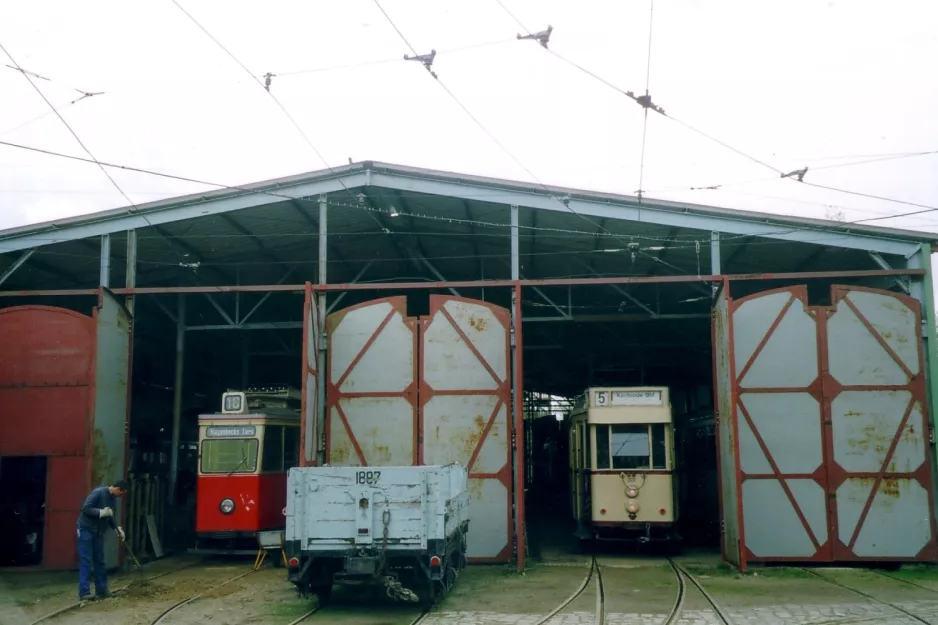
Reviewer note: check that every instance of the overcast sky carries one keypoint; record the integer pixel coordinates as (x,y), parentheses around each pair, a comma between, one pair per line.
(795,83)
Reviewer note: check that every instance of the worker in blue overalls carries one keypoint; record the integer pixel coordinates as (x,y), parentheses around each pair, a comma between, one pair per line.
(96,518)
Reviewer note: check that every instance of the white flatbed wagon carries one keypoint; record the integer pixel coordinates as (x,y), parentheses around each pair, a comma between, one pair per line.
(401,527)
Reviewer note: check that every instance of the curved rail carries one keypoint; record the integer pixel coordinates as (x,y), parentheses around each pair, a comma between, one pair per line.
(867,595)
(721,614)
(176,606)
(573,597)
(118,590)
(904,581)
(675,614)
(302,618)
(600,595)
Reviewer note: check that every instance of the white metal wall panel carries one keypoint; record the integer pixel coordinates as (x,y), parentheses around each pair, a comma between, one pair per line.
(465,397)
(111,401)
(372,385)
(311,411)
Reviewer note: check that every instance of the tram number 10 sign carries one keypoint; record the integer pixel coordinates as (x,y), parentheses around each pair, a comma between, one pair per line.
(367,477)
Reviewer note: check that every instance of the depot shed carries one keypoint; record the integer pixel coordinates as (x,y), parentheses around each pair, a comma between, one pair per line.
(423,312)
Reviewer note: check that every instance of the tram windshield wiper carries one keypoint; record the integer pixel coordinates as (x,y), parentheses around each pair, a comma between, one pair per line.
(244,461)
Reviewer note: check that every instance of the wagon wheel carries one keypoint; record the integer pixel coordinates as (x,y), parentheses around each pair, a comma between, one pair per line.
(449,577)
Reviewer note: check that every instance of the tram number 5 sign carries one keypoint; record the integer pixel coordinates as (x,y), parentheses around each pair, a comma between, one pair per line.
(367,477)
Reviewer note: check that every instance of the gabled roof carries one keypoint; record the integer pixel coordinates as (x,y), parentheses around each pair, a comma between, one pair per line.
(475,189)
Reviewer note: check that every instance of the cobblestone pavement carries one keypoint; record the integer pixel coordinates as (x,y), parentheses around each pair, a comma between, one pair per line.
(835,614)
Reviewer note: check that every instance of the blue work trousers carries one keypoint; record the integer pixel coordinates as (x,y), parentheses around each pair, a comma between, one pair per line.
(91,553)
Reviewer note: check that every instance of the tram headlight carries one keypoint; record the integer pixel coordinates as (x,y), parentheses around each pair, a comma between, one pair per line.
(226,506)
(631,493)
(632,507)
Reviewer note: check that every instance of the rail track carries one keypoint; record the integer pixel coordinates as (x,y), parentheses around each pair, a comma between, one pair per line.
(416,621)
(866,595)
(595,572)
(116,591)
(161,618)
(680,574)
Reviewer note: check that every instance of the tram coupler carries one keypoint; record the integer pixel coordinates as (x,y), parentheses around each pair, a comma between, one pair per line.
(647,537)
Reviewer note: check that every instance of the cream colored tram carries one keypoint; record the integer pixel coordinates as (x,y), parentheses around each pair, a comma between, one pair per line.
(622,465)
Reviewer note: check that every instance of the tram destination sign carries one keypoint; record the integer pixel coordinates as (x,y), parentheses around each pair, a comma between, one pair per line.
(230,431)
(628,398)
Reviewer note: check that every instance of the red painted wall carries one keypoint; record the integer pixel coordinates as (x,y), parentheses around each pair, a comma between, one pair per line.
(46,394)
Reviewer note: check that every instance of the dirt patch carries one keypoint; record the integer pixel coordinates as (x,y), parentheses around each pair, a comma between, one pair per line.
(144,589)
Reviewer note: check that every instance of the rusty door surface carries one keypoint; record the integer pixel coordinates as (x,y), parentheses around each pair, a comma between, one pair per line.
(880,474)
(111,425)
(310,437)
(465,401)
(371,394)
(830,427)
(728,460)
(46,393)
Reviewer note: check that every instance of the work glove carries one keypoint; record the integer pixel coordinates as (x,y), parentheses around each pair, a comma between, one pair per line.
(120,533)
(106,512)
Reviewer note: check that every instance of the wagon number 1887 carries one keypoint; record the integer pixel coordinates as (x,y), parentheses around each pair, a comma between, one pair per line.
(367,477)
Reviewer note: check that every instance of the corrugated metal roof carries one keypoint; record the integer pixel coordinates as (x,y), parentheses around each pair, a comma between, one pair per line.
(486,187)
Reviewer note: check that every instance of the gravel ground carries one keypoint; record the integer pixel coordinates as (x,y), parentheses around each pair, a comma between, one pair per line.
(639,590)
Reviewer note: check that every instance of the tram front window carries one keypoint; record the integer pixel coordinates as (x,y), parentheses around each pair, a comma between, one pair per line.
(630,446)
(229,455)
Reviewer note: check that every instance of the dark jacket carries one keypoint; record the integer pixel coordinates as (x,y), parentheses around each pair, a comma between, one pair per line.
(90,517)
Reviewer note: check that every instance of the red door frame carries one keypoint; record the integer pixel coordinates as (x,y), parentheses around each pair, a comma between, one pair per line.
(830,476)
(503,392)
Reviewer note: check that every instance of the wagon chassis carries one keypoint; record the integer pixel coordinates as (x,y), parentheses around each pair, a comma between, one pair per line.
(376,566)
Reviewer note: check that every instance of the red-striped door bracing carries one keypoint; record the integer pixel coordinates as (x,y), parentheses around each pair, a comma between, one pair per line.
(371,392)
(831,427)
(465,412)
(878,430)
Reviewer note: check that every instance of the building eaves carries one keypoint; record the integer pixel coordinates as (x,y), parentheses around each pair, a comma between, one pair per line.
(307,187)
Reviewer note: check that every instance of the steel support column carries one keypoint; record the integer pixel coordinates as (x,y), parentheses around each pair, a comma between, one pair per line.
(130,273)
(517,347)
(323,278)
(177,397)
(515,253)
(715,260)
(105,272)
(517,397)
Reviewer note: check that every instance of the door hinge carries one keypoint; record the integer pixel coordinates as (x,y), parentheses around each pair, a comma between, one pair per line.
(514,438)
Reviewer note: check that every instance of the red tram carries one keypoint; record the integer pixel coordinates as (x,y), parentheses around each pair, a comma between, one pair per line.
(244,456)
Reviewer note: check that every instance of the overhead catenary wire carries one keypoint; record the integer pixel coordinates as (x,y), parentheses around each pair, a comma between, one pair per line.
(482,126)
(266,88)
(646,105)
(28,77)
(641,169)
(81,143)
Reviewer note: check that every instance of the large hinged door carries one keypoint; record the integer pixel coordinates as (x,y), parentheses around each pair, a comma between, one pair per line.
(827,404)
(371,396)
(435,390)
(465,401)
